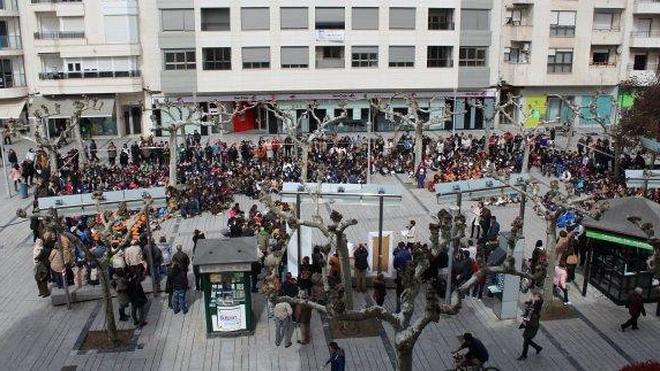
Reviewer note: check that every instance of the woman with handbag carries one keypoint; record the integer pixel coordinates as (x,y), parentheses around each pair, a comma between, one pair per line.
(571,261)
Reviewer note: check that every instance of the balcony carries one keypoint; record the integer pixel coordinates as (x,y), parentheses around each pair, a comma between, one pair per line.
(59,35)
(88,75)
(606,37)
(522,32)
(13,86)
(54,1)
(8,8)
(646,76)
(647,7)
(10,45)
(645,39)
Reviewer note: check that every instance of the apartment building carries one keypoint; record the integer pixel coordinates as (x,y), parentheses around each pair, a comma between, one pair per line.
(448,52)
(577,49)
(57,51)
(328,51)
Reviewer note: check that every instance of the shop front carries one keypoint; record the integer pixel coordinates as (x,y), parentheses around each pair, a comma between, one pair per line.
(225,266)
(620,255)
(94,121)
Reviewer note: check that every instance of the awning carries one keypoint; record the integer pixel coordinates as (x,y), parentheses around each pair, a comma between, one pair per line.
(11,109)
(106,107)
(621,240)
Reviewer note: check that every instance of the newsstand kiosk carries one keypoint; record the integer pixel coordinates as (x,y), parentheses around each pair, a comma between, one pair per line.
(225,266)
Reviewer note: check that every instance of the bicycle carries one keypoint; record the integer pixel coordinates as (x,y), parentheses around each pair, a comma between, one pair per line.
(458,360)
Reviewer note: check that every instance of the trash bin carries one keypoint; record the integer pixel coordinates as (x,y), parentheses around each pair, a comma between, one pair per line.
(23,190)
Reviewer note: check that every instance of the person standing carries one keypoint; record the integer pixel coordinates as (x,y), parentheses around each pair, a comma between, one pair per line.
(303,317)
(112,153)
(122,293)
(93,149)
(40,269)
(177,284)
(635,308)
(337,358)
(197,235)
(531,328)
(283,324)
(137,298)
(379,289)
(361,256)
(560,281)
(15,173)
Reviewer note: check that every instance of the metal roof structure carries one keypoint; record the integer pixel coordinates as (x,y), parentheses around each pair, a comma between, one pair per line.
(84,204)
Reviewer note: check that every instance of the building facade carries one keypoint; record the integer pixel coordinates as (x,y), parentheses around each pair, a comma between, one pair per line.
(336,52)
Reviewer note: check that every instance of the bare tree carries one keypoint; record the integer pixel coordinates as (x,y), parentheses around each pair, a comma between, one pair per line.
(293,128)
(51,145)
(415,280)
(182,114)
(415,117)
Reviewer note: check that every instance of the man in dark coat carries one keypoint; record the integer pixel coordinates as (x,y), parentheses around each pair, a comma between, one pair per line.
(635,308)
(137,298)
(531,328)
(361,256)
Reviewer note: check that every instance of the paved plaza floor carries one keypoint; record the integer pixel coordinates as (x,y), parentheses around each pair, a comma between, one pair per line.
(34,335)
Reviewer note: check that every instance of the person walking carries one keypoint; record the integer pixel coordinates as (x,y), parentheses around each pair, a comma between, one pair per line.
(337,358)
(181,258)
(93,149)
(303,317)
(379,289)
(122,293)
(16,175)
(560,281)
(361,256)
(39,257)
(283,324)
(112,153)
(177,284)
(531,325)
(635,308)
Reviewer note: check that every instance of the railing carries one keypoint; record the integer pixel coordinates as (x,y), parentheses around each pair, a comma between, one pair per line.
(215,26)
(603,64)
(651,67)
(613,29)
(10,42)
(87,74)
(441,26)
(55,1)
(12,81)
(8,5)
(640,34)
(59,35)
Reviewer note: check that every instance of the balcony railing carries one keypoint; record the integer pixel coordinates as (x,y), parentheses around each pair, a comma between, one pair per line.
(55,1)
(10,42)
(8,5)
(12,81)
(641,34)
(59,35)
(87,75)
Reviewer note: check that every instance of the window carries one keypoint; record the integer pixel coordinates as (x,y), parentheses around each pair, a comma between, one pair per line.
(215,19)
(294,56)
(600,56)
(255,19)
(364,56)
(560,61)
(472,56)
(517,53)
(177,20)
(120,29)
(640,62)
(217,58)
(475,20)
(181,59)
(562,24)
(330,57)
(439,56)
(441,19)
(402,18)
(294,18)
(6,74)
(365,18)
(514,17)
(606,20)
(329,19)
(402,56)
(256,58)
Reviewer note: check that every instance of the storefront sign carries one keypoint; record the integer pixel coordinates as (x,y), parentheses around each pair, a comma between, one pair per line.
(330,35)
(229,319)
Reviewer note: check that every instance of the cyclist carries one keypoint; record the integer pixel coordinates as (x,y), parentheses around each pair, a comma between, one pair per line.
(477,354)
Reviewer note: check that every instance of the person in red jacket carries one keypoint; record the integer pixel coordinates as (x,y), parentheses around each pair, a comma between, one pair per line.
(635,308)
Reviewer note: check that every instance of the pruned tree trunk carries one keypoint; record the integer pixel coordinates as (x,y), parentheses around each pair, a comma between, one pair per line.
(173,157)
(303,163)
(404,356)
(550,242)
(618,149)
(526,154)
(419,145)
(183,135)
(342,248)
(110,324)
(52,160)
(77,136)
